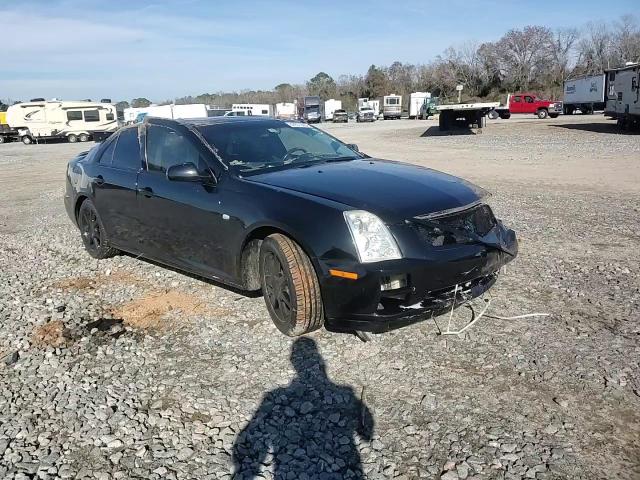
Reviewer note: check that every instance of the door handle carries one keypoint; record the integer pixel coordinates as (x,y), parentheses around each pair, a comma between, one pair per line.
(99,180)
(146,191)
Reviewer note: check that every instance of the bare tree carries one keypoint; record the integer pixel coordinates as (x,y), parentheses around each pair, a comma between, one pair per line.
(524,54)
(626,39)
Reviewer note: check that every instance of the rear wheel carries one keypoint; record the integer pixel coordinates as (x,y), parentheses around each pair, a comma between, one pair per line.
(2,139)
(290,286)
(27,140)
(83,137)
(542,113)
(72,138)
(93,233)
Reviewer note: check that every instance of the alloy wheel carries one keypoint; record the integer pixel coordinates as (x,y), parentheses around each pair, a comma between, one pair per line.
(91,233)
(277,288)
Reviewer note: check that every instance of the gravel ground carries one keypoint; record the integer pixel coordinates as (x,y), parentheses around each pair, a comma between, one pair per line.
(123,369)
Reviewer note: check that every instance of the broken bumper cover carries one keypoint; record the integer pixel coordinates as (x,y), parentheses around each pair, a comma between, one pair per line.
(442,279)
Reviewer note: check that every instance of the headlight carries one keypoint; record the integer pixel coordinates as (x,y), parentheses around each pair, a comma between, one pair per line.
(371,237)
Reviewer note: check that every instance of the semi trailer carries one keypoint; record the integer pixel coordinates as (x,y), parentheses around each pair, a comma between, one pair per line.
(584,93)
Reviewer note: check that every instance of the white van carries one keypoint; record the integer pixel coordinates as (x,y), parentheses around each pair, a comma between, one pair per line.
(76,121)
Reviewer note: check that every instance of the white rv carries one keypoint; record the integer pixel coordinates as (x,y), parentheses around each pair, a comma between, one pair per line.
(416,100)
(392,106)
(257,109)
(331,106)
(623,95)
(76,121)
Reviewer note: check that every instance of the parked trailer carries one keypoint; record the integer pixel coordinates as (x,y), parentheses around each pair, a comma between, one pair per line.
(392,106)
(286,110)
(584,93)
(623,95)
(75,121)
(464,115)
(416,100)
(255,109)
(331,106)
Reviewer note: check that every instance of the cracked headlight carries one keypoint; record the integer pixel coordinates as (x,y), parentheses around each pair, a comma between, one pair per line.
(371,237)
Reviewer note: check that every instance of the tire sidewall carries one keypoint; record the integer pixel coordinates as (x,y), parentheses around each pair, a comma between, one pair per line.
(289,328)
(103,251)
(72,138)
(542,114)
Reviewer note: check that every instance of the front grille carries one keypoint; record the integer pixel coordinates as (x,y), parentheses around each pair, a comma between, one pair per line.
(455,228)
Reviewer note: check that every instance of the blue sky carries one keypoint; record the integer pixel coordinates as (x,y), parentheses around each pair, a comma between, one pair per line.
(162,49)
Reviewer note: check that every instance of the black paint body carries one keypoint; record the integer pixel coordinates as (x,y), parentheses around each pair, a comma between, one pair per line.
(204,227)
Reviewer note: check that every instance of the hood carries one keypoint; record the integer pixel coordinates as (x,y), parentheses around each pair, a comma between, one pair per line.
(394,191)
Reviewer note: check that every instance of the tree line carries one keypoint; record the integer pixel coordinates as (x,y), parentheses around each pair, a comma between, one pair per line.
(534,58)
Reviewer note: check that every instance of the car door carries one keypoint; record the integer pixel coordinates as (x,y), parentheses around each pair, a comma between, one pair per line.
(114,189)
(516,104)
(182,219)
(529,104)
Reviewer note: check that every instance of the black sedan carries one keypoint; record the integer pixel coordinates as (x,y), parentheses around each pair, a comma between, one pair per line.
(331,236)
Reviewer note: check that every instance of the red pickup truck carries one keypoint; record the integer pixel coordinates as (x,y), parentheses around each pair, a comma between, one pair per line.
(531,103)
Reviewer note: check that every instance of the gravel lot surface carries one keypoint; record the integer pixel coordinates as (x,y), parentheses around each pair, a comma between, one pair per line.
(123,369)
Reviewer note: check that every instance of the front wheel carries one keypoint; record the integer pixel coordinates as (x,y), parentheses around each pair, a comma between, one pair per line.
(93,233)
(542,114)
(72,138)
(27,140)
(290,286)
(83,137)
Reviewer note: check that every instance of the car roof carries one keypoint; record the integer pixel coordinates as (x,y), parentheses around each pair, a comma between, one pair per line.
(203,122)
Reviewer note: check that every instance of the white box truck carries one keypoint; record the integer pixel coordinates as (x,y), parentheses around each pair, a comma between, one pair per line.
(190,110)
(331,106)
(392,106)
(75,121)
(583,93)
(416,100)
(623,95)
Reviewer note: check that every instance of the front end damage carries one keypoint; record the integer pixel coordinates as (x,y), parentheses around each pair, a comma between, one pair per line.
(449,258)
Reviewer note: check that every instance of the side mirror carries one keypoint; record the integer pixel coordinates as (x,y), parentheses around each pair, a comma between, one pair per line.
(353,147)
(187,172)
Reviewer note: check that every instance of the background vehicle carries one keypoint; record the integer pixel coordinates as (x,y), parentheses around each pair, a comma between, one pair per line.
(310,109)
(217,112)
(7,134)
(285,110)
(464,115)
(191,110)
(392,106)
(366,114)
(416,101)
(623,95)
(340,116)
(531,103)
(583,93)
(75,121)
(428,108)
(330,106)
(238,113)
(371,245)
(256,109)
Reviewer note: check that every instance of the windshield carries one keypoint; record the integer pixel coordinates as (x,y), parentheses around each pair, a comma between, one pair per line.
(256,146)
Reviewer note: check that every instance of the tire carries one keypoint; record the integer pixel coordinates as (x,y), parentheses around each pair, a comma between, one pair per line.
(493,115)
(505,116)
(553,115)
(290,286)
(2,139)
(83,137)
(72,138)
(93,233)
(542,114)
(27,140)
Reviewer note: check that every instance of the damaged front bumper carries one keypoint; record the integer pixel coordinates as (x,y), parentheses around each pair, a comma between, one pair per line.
(435,276)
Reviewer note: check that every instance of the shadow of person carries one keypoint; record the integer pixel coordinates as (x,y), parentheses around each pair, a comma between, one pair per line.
(309,429)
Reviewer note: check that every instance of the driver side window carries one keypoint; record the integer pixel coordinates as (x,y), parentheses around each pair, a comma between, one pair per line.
(167,147)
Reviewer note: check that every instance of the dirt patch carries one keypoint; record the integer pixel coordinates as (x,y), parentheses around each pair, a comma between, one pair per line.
(52,334)
(148,312)
(92,283)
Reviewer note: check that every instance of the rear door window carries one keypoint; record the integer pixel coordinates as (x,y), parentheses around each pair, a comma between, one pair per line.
(107,154)
(126,155)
